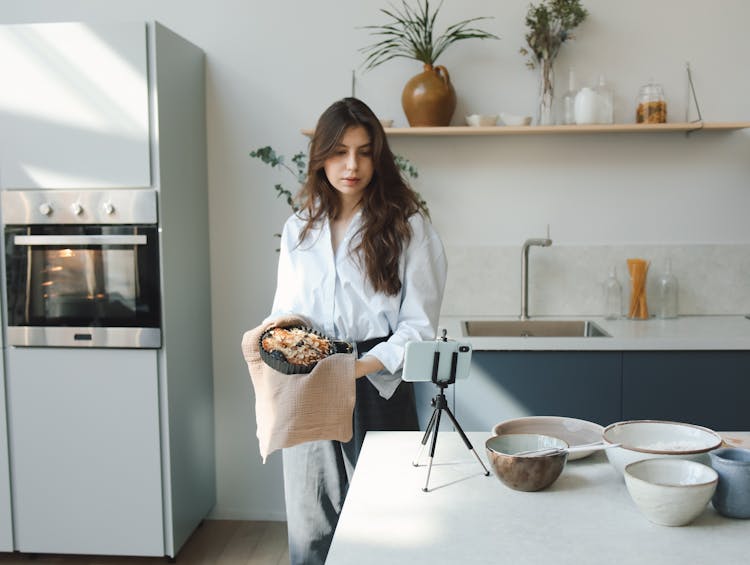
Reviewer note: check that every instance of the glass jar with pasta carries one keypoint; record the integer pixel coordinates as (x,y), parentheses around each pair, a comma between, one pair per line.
(652,106)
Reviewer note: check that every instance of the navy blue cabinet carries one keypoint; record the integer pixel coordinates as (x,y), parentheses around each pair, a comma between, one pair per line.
(708,388)
(511,384)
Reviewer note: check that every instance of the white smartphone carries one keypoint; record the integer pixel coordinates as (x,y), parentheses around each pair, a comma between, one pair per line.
(420,359)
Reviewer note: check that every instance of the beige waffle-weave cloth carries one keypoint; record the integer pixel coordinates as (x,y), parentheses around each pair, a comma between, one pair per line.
(294,409)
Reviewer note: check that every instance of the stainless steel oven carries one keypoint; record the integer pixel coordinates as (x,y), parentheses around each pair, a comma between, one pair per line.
(82,268)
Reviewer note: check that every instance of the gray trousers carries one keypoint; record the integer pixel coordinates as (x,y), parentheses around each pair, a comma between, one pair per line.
(317,474)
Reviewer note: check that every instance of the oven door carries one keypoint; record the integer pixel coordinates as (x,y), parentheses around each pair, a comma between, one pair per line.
(83,285)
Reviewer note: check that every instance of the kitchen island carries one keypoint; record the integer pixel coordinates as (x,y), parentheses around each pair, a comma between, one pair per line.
(585,517)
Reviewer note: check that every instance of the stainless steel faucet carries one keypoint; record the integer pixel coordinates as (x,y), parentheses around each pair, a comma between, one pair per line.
(546,242)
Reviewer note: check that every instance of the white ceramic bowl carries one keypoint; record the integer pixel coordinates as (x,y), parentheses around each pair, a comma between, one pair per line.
(649,439)
(573,431)
(514,120)
(481,120)
(670,492)
(386,123)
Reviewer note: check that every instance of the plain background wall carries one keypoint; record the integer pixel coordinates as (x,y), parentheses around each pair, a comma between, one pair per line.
(272,67)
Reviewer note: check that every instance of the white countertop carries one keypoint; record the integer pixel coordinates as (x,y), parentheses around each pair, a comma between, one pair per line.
(585,517)
(684,333)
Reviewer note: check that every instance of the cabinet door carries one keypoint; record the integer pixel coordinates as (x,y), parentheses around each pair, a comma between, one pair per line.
(85,451)
(6,528)
(708,388)
(74,109)
(512,384)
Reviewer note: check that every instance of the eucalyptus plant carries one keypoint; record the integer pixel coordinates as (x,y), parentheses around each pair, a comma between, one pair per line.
(411,34)
(549,26)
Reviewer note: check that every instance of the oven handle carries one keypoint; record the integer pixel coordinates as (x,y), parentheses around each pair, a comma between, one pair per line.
(79,240)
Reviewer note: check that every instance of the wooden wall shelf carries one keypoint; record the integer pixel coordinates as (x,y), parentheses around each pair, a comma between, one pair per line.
(686,127)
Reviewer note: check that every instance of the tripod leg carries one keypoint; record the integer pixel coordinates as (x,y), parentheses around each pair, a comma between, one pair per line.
(465,439)
(425,436)
(435,431)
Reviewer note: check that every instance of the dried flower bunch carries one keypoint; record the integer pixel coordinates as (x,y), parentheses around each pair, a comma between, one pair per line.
(410,35)
(550,24)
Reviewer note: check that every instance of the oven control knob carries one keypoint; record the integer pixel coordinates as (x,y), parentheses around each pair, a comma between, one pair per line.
(76,208)
(45,209)
(109,208)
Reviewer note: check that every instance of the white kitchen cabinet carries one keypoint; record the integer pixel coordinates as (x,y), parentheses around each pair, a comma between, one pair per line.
(74,106)
(85,451)
(6,524)
(112,450)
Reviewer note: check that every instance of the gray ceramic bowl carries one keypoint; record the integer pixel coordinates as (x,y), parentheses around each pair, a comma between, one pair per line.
(526,473)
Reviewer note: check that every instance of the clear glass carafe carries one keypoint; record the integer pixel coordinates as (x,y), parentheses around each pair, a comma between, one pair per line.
(612,296)
(668,293)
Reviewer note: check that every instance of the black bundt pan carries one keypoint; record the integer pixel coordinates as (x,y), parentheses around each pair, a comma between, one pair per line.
(276,359)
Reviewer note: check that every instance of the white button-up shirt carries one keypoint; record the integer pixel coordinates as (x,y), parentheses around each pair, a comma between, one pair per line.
(332,291)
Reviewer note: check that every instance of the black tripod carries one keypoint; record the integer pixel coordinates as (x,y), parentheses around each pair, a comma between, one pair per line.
(440,404)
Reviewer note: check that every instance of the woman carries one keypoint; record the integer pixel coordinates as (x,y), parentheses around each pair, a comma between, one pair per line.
(361,261)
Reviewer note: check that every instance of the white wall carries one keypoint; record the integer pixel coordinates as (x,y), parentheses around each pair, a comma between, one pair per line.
(274,66)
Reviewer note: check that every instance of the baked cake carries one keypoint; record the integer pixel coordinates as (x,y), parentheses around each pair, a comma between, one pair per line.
(297,349)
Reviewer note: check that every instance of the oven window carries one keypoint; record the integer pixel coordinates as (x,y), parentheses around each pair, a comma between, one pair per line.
(83,276)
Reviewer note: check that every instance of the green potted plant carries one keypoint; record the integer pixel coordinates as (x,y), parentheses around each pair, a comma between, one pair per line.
(549,26)
(429,98)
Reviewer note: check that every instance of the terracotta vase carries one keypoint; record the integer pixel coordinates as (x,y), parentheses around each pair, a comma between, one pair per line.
(428,98)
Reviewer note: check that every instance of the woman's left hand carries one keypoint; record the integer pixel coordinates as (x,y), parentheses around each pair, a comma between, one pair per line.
(368,364)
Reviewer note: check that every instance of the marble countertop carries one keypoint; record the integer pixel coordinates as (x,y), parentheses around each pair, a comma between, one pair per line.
(683,333)
(585,518)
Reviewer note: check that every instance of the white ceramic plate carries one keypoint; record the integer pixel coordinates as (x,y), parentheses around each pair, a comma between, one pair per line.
(571,430)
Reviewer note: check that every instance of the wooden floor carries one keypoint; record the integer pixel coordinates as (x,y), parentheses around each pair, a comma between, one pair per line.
(215,542)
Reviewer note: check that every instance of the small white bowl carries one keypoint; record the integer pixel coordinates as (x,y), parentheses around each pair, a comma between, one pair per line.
(649,439)
(670,492)
(386,123)
(481,120)
(514,120)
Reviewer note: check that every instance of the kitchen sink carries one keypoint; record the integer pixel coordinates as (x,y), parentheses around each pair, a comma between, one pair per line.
(532,328)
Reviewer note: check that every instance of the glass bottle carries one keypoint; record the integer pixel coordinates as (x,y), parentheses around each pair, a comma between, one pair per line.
(612,296)
(569,100)
(668,291)
(606,102)
(651,105)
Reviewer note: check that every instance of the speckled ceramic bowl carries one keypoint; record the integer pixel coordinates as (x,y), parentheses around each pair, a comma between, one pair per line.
(529,472)
(670,492)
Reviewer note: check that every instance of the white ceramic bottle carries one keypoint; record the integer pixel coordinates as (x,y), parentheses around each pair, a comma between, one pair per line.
(586,106)
(668,293)
(612,296)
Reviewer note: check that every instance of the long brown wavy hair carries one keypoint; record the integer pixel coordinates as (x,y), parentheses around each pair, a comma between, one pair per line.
(387,203)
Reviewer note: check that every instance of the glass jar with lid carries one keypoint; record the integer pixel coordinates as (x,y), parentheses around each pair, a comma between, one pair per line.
(652,106)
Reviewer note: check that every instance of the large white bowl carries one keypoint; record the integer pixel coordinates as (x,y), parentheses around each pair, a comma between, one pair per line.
(573,431)
(670,492)
(649,439)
